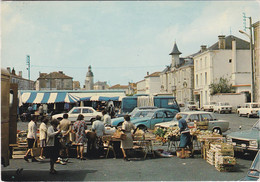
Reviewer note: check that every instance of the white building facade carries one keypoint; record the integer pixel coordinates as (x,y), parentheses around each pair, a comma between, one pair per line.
(228,58)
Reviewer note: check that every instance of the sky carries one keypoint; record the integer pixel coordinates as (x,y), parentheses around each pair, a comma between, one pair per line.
(122,41)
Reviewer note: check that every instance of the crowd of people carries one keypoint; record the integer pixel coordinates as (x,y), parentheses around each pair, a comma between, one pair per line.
(55,141)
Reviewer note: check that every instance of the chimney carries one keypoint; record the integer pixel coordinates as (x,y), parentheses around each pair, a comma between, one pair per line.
(9,69)
(203,48)
(13,71)
(147,73)
(221,42)
(20,74)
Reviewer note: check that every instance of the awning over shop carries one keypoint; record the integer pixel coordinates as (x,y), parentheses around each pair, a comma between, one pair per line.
(101,98)
(47,97)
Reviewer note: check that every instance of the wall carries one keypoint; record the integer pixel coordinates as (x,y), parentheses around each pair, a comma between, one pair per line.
(236,99)
(140,87)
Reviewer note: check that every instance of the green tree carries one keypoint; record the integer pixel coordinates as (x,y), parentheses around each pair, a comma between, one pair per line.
(221,86)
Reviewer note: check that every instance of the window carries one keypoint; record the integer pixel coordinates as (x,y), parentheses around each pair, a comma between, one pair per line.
(205,61)
(205,117)
(206,78)
(76,111)
(201,79)
(87,111)
(197,80)
(159,115)
(230,60)
(169,114)
(193,117)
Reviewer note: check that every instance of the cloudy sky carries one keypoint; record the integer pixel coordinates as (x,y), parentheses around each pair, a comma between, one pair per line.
(122,41)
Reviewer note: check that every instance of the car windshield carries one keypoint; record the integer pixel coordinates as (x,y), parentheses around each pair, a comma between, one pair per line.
(224,104)
(255,106)
(184,116)
(142,113)
(257,125)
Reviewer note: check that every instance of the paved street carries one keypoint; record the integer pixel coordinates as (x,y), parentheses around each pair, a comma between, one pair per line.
(158,169)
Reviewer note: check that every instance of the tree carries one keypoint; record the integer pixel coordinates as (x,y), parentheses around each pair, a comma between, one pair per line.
(222,86)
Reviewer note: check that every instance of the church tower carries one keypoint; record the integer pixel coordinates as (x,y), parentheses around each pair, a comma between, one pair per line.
(175,56)
(89,81)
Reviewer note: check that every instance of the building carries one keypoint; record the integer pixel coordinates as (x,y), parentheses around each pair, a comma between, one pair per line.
(140,87)
(228,58)
(54,81)
(101,86)
(120,87)
(89,81)
(23,84)
(256,28)
(150,84)
(76,85)
(178,78)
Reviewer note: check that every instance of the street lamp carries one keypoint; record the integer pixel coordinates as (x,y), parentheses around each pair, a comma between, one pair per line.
(252,57)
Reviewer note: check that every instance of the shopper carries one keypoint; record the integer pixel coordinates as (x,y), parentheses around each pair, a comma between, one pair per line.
(65,127)
(99,128)
(53,144)
(79,128)
(40,110)
(106,118)
(31,138)
(127,143)
(43,136)
(185,138)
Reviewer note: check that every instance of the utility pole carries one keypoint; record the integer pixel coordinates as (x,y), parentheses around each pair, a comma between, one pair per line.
(251,53)
(28,63)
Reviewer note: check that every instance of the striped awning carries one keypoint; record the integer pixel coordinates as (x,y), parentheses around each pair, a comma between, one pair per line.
(101,98)
(47,97)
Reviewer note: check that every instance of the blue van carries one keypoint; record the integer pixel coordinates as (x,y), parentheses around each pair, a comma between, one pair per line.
(131,102)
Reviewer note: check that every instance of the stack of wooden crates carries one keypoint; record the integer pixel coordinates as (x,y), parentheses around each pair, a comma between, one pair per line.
(221,155)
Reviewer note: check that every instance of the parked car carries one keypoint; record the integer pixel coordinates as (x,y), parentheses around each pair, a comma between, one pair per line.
(222,107)
(215,125)
(151,118)
(209,106)
(136,113)
(249,110)
(191,105)
(138,109)
(246,141)
(88,112)
(254,170)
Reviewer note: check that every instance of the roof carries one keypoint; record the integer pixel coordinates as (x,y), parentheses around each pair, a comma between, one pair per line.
(155,74)
(240,44)
(118,86)
(175,50)
(54,75)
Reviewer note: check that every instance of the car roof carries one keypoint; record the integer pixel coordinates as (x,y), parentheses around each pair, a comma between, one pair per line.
(195,112)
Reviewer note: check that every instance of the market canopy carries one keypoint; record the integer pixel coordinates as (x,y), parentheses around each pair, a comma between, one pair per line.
(101,98)
(48,97)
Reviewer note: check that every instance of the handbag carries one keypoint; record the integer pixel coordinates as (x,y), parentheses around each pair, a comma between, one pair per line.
(36,151)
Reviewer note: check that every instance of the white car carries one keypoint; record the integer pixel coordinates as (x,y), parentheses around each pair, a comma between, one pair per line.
(250,109)
(222,107)
(191,105)
(88,112)
(215,125)
(209,106)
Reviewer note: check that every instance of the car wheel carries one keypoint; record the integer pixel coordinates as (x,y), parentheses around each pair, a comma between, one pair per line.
(142,127)
(217,130)
(239,114)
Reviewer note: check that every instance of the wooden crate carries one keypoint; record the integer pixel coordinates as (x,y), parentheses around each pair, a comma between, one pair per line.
(225,168)
(225,160)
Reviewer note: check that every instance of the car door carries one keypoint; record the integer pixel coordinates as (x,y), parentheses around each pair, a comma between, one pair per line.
(73,115)
(158,117)
(87,113)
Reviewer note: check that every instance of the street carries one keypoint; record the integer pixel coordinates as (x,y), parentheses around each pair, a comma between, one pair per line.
(151,169)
